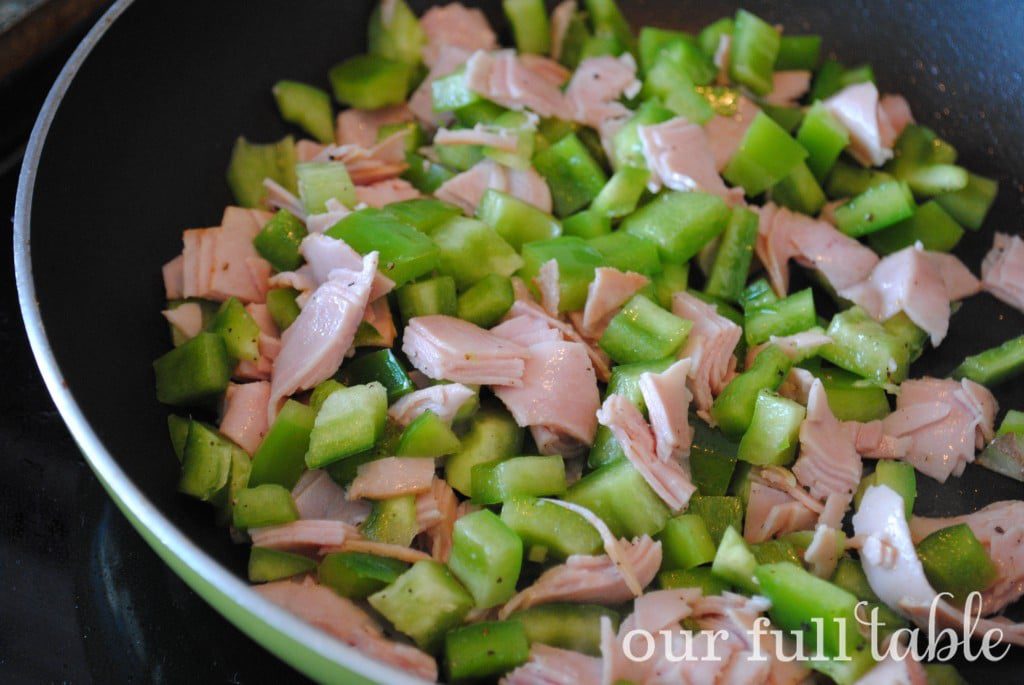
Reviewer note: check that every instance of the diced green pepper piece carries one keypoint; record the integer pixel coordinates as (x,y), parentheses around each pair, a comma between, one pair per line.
(690,102)
(899,476)
(322,181)
(930,225)
(587,224)
(935,179)
(627,252)
(572,173)
(427,436)
(485,651)
(267,565)
(193,373)
(735,562)
(757,294)
(653,42)
(680,224)
(850,577)
(688,61)
(712,458)
(621,194)
(424,175)
(851,398)
(798,52)
(486,301)
(1013,422)
(995,365)
(711,35)
(499,481)
(280,458)
(735,252)
(424,603)
(799,191)
(577,261)
(470,250)
(686,543)
(846,180)
(423,298)
(395,34)
(486,557)
(970,205)
(607,19)
(601,491)
(673,279)
(529,21)
(719,513)
(943,674)
(627,149)
(424,213)
(734,407)
(874,209)
(350,421)
(789,118)
(263,505)
(322,391)
(753,52)
(370,81)
(392,521)
(307,107)
(384,368)
(540,523)
(206,463)
(405,253)
(576,627)
(766,155)
(451,92)
(415,137)
(282,306)
(777,551)
(252,162)
(643,331)
(955,562)
(792,314)
(357,575)
(862,345)
(177,426)
(238,329)
(824,137)
(701,577)
(278,242)
(516,221)
(492,435)
(774,431)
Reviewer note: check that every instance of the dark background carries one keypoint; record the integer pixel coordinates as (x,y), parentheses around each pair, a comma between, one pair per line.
(82,597)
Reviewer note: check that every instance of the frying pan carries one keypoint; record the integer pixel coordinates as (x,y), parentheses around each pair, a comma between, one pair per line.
(131,147)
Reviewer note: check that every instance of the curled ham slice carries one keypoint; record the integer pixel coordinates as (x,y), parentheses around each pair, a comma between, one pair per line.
(361,126)
(595,88)
(606,295)
(221,262)
(173,273)
(455,25)
(245,414)
(279,197)
(324,254)
(481,134)
(547,282)
(784,235)
(444,400)
(709,347)
(386,192)
(668,478)
(503,78)
(537,400)
(466,189)
(526,331)
(856,108)
(668,401)
(319,223)
(342,619)
(546,68)
(726,132)
(317,496)
(942,422)
(446,348)
(679,156)
(380,549)
(788,87)
(380,162)
(440,532)
(772,512)
(392,477)
(304,535)
(828,461)
(561,17)
(585,578)
(893,116)
(554,666)
(187,318)
(314,345)
(1002,271)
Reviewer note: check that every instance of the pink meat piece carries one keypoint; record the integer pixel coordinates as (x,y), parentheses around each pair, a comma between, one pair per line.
(361,126)
(382,161)
(784,235)
(503,79)
(668,478)
(378,316)
(1002,271)
(606,294)
(392,477)
(828,461)
(721,58)
(945,421)
(304,535)
(585,578)
(772,512)
(788,87)
(314,345)
(893,671)
(217,261)
(447,348)
(911,281)
(856,108)
(454,25)
(187,318)
(822,555)
(894,111)
(1000,528)
(306,150)
(958,279)
(466,189)
(546,68)
(597,85)
(444,400)
(439,534)
(244,419)
(547,282)
(317,496)
(174,278)
(279,197)
(797,385)
(668,403)
(679,156)
(561,17)
(320,223)
(554,666)
(797,346)
(526,331)
(324,254)
(481,134)
(384,193)
(538,399)
(709,348)
(342,619)
(421,103)
(726,132)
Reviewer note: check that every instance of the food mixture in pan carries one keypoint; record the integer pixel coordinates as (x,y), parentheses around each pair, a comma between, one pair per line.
(550,364)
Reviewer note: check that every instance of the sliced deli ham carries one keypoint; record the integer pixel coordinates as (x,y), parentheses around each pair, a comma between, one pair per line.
(392,477)
(245,414)
(606,295)
(221,262)
(828,461)
(597,85)
(668,402)
(503,78)
(466,189)
(445,400)
(680,157)
(361,126)
(455,25)
(709,347)
(1002,271)
(187,318)
(856,108)
(446,348)
(726,132)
